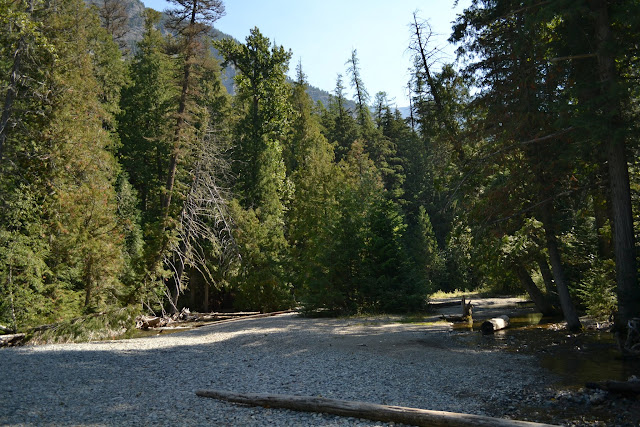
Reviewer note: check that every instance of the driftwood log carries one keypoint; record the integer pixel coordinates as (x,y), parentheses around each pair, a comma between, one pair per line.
(6,330)
(495,324)
(622,387)
(11,340)
(370,411)
(186,317)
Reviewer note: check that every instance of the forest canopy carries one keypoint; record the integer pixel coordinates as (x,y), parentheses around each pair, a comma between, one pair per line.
(131,177)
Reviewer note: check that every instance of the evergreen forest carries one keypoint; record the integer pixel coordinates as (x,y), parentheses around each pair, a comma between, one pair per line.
(134,178)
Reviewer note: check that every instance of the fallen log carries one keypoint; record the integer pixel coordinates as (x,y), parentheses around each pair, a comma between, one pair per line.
(146,322)
(370,411)
(495,324)
(11,340)
(6,330)
(623,387)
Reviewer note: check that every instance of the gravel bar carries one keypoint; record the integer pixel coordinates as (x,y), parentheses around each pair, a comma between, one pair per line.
(152,381)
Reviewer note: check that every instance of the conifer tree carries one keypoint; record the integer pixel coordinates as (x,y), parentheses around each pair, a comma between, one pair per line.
(363,115)
(191,20)
(145,129)
(63,158)
(340,128)
(314,211)
(261,183)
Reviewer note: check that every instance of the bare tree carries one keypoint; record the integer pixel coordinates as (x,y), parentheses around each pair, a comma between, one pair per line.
(204,229)
(115,19)
(362,96)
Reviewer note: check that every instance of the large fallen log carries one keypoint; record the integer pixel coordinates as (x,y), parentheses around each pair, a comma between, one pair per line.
(623,387)
(495,324)
(370,411)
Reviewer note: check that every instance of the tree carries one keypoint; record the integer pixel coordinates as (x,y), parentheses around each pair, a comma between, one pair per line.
(362,96)
(115,19)
(340,128)
(614,134)
(63,165)
(518,118)
(144,125)
(261,184)
(190,19)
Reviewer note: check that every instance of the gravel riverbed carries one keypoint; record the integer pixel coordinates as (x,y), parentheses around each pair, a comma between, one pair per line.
(152,381)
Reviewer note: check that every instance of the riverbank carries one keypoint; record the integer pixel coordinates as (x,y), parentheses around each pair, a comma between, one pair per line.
(152,381)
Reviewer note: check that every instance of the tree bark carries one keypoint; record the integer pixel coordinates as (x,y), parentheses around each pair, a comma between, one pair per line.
(547,276)
(621,211)
(538,298)
(371,411)
(557,268)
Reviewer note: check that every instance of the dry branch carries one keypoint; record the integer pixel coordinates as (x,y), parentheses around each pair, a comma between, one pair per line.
(371,411)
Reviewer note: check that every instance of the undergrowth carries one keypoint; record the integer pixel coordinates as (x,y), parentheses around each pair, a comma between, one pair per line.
(112,324)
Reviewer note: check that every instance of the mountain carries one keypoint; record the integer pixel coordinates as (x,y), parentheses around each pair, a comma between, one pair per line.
(135,9)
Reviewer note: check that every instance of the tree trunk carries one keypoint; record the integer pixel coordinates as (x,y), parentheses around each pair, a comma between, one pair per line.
(371,411)
(205,302)
(621,211)
(601,214)
(538,298)
(547,276)
(568,309)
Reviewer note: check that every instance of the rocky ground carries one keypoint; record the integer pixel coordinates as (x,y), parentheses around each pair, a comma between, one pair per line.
(426,364)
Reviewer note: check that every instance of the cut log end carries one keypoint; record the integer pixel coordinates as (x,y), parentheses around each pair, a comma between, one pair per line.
(495,324)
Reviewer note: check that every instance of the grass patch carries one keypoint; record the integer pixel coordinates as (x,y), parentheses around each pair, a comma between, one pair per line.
(458,293)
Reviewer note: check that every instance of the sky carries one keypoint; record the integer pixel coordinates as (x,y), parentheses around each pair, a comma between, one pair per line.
(322,34)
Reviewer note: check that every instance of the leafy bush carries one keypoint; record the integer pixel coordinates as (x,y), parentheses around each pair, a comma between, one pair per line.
(597,290)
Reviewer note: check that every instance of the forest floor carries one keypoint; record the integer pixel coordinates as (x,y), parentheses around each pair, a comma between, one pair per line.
(531,371)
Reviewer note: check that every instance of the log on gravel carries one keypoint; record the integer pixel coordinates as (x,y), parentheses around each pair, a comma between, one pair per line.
(370,411)
(495,324)
(623,387)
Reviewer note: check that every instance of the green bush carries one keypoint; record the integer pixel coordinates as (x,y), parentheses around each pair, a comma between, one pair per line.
(597,290)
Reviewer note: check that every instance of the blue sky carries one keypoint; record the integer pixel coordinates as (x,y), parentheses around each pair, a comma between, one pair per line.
(322,34)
